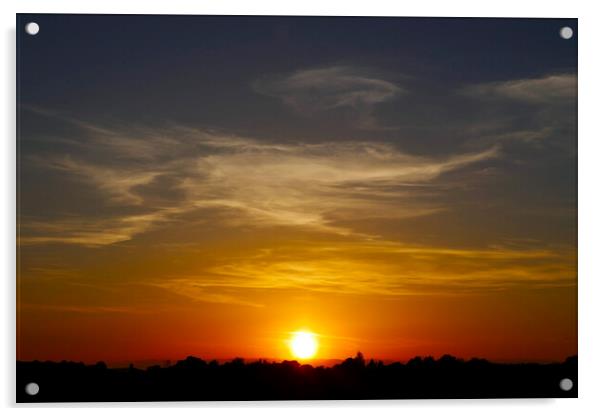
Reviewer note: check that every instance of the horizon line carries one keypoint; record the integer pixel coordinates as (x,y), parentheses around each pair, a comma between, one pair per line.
(316,362)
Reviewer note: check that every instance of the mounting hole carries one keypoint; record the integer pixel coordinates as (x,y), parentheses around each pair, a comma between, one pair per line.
(32,389)
(566,384)
(32,28)
(566,32)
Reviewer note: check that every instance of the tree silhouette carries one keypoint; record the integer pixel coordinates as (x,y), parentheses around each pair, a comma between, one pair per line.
(196,379)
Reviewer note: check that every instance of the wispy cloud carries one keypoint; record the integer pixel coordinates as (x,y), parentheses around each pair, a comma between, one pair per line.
(249,181)
(91,231)
(305,184)
(117,183)
(549,89)
(536,111)
(315,90)
(197,289)
(384,268)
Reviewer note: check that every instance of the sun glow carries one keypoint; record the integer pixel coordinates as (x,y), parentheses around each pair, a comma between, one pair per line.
(303,344)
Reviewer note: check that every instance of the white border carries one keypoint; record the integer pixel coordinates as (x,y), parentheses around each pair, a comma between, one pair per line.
(590,200)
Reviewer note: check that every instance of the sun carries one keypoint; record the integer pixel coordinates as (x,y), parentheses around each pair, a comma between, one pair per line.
(303,344)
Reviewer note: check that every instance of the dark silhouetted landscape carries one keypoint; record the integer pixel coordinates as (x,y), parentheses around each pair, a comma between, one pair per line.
(354,378)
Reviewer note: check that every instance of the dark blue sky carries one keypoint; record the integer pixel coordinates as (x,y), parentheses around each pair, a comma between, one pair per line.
(199,69)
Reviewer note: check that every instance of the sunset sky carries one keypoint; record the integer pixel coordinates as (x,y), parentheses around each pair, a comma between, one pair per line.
(208,185)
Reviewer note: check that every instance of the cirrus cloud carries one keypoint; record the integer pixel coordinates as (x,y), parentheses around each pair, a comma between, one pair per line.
(311,91)
(549,89)
(243,181)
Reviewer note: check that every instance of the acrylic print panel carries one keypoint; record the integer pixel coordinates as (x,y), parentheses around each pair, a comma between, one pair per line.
(258,208)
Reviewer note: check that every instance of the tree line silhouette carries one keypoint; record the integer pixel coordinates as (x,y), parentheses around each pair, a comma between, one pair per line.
(354,378)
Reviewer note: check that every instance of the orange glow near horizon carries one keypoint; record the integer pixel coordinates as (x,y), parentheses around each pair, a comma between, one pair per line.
(498,326)
(342,290)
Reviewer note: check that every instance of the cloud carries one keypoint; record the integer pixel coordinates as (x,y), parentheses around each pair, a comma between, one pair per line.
(382,268)
(91,231)
(117,184)
(304,184)
(244,181)
(548,90)
(540,112)
(312,91)
(197,290)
